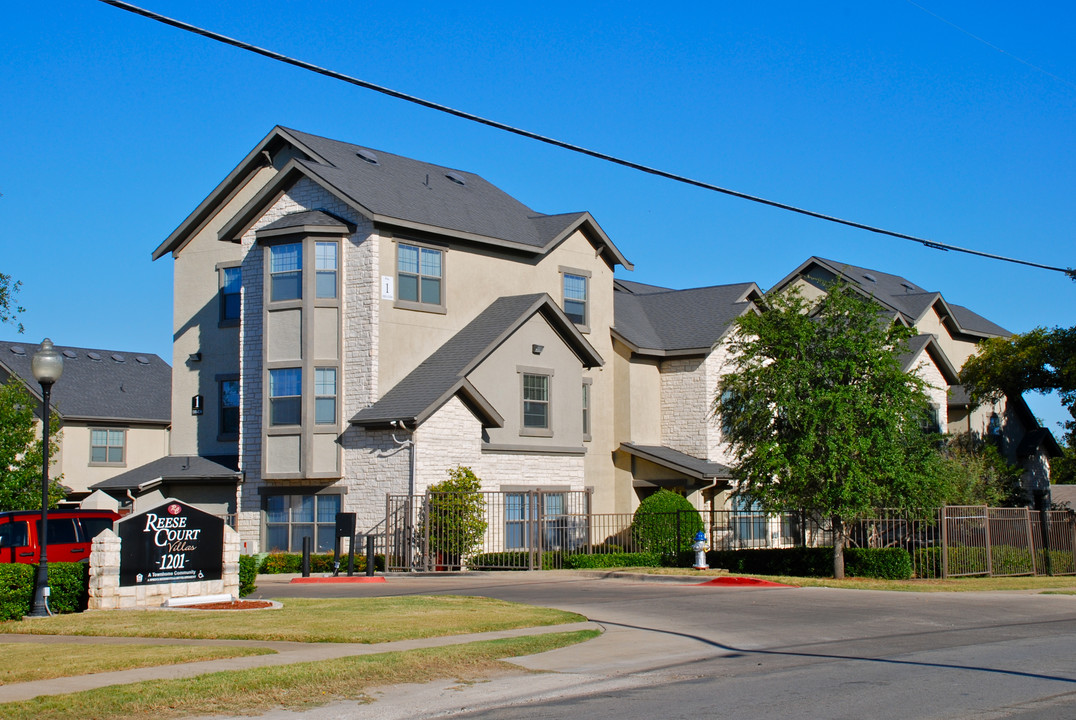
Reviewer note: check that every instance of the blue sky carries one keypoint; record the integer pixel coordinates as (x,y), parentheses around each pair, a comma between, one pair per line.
(117,127)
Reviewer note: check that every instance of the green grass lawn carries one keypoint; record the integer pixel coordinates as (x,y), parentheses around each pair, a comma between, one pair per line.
(294,686)
(25,662)
(359,620)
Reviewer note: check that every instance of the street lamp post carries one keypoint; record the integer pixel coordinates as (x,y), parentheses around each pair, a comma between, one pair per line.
(47,365)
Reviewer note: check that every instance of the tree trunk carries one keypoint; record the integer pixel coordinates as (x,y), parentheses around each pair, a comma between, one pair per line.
(838,548)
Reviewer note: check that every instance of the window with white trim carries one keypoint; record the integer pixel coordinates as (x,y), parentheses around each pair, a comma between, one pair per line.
(107,446)
(324,396)
(535,401)
(575,298)
(286,272)
(325,269)
(419,275)
(285,396)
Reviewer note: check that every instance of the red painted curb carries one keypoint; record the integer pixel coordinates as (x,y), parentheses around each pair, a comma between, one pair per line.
(737,582)
(363,579)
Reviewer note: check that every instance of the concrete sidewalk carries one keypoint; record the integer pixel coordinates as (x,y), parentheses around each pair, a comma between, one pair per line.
(286,653)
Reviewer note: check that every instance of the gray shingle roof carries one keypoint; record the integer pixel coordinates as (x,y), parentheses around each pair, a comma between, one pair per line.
(678,461)
(173,468)
(673,320)
(907,297)
(636,288)
(114,386)
(444,372)
(421,192)
(317,218)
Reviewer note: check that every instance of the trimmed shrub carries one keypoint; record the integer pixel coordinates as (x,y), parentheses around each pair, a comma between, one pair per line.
(512,560)
(611,560)
(68,583)
(274,563)
(881,563)
(665,523)
(885,563)
(16,590)
(248,573)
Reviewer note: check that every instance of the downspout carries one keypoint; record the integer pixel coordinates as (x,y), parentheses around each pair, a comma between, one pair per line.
(411,456)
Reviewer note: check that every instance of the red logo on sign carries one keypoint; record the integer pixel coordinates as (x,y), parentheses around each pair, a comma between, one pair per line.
(174,509)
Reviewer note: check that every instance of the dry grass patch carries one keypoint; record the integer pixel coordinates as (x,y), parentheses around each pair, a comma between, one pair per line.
(248,692)
(25,662)
(361,620)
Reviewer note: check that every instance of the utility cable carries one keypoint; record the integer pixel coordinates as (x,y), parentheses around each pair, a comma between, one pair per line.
(560,143)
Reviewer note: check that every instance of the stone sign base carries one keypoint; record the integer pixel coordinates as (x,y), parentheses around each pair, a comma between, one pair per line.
(106,593)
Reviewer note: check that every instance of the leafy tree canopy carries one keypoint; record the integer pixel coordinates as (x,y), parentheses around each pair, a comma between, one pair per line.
(974,472)
(1041,360)
(20,451)
(9,308)
(456,514)
(820,414)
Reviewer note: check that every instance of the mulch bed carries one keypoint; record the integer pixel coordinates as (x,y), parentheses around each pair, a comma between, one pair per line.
(233,605)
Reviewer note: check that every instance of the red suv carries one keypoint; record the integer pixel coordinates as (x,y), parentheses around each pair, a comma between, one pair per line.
(70,534)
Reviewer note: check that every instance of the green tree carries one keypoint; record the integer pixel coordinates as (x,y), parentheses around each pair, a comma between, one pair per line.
(974,472)
(1040,360)
(455,515)
(20,451)
(9,309)
(819,414)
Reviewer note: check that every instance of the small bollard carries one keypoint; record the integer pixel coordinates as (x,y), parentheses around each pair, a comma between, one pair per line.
(699,546)
(306,556)
(369,556)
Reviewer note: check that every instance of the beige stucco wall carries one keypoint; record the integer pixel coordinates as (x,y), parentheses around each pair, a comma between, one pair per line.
(196,328)
(143,444)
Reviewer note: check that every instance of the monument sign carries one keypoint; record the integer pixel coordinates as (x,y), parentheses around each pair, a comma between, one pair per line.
(173,543)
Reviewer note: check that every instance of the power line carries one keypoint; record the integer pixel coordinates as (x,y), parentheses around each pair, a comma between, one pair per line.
(991,45)
(560,143)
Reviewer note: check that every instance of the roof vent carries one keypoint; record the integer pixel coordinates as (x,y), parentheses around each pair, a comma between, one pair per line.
(456,178)
(70,354)
(141,359)
(118,358)
(18,349)
(94,356)
(870,277)
(368,156)
(908,287)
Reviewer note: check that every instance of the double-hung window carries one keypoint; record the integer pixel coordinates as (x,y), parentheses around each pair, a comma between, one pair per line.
(286,272)
(231,282)
(106,446)
(229,407)
(325,269)
(419,275)
(325,396)
(575,298)
(285,396)
(535,402)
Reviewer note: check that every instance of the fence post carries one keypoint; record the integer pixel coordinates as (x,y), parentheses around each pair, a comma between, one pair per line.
(943,516)
(1044,527)
(590,521)
(676,549)
(989,545)
(426,527)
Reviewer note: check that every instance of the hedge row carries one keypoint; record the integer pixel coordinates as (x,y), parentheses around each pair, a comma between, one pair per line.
(884,563)
(1006,560)
(68,583)
(274,563)
(512,560)
(611,560)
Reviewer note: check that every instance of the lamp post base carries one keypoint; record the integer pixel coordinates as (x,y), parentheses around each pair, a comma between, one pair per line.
(40,607)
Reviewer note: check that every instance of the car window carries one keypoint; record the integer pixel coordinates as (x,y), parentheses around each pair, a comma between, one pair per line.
(92,527)
(13,534)
(61,531)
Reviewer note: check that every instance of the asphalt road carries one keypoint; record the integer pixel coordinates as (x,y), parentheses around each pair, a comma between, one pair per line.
(683,651)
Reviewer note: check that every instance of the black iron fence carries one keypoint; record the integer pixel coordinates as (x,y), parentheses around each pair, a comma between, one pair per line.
(533,530)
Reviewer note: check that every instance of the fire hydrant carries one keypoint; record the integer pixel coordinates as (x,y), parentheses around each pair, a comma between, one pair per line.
(699,546)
